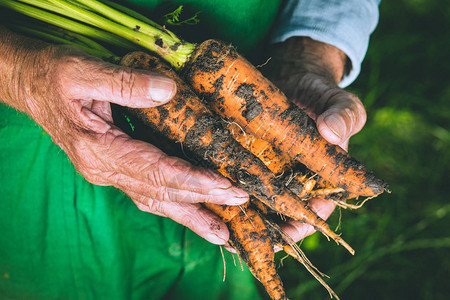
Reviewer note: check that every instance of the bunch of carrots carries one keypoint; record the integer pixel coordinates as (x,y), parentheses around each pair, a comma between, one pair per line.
(244,127)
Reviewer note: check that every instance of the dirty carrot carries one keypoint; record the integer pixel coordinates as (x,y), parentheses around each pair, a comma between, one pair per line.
(277,161)
(296,177)
(236,90)
(188,121)
(250,237)
(248,233)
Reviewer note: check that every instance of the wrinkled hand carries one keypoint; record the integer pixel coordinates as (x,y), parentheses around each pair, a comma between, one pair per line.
(308,72)
(69,92)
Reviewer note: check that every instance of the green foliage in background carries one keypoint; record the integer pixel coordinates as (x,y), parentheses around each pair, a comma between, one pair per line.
(402,239)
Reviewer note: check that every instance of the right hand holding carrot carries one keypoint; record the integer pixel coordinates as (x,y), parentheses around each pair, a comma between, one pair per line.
(308,73)
(69,92)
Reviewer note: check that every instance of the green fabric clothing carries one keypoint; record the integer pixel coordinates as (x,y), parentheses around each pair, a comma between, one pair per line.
(64,238)
(245,24)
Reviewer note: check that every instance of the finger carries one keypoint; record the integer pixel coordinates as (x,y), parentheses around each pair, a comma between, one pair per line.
(298,230)
(95,118)
(146,163)
(168,194)
(91,79)
(200,220)
(344,117)
(113,158)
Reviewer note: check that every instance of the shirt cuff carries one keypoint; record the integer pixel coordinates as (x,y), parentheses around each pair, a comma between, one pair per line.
(346,25)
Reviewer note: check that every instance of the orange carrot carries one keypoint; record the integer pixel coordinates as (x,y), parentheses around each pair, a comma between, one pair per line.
(248,234)
(307,185)
(187,120)
(250,237)
(304,183)
(277,161)
(236,90)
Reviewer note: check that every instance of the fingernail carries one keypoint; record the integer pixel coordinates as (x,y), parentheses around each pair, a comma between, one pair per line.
(239,193)
(162,89)
(215,239)
(238,200)
(336,125)
(228,247)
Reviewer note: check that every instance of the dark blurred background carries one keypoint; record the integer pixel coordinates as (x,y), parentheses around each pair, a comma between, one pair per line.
(402,239)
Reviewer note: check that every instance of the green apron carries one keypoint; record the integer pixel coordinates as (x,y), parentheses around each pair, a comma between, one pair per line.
(64,238)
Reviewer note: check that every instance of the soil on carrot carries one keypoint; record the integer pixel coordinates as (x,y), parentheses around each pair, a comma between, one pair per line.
(207,60)
(252,107)
(246,230)
(275,235)
(224,144)
(369,178)
(306,125)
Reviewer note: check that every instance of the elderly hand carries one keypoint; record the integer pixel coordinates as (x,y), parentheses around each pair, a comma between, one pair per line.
(69,93)
(308,72)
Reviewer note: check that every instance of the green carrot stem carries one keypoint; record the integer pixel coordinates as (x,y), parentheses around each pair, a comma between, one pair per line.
(66,23)
(127,25)
(45,4)
(165,45)
(132,20)
(64,38)
(86,41)
(132,13)
(59,32)
(59,35)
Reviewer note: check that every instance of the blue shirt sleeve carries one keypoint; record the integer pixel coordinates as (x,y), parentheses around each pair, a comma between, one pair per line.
(345,24)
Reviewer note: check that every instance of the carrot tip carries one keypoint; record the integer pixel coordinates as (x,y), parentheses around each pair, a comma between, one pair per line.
(346,246)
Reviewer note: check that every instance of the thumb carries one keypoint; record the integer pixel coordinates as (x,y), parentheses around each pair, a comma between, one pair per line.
(344,118)
(98,80)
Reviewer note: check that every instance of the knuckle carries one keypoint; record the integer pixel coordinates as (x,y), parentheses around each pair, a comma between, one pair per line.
(155,169)
(67,74)
(125,80)
(210,199)
(161,194)
(75,73)
(182,170)
(155,206)
(189,197)
(361,110)
(140,203)
(114,178)
(169,171)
